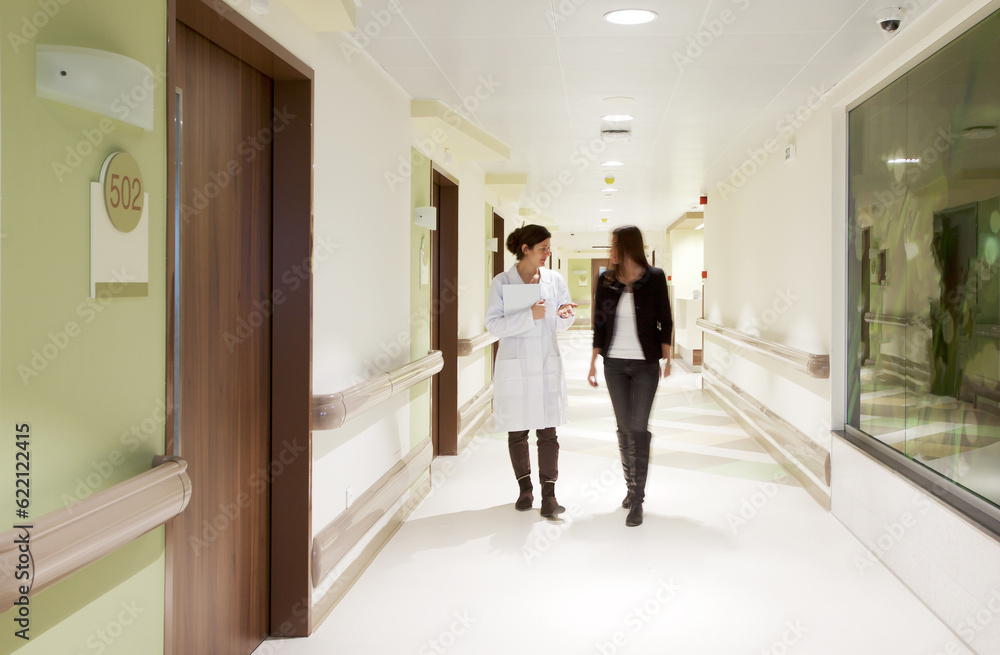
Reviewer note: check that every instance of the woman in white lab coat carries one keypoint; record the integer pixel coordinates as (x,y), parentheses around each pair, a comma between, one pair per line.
(529,387)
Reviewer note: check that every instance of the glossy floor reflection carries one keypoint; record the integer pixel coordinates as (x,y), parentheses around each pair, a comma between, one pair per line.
(945,434)
(733,557)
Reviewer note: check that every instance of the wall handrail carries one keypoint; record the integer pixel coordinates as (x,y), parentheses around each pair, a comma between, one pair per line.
(816,366)
(474,344)
(331,411)
(475,405)
(885,319)
(69,538)
(335,541)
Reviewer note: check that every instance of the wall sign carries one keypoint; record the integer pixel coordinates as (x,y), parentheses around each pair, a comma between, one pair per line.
(119,230)
(123,190)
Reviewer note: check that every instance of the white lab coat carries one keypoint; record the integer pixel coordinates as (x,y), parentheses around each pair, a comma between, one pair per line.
(529,386)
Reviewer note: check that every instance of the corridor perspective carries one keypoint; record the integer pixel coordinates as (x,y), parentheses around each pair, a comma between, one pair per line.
(733,556)
(283,282)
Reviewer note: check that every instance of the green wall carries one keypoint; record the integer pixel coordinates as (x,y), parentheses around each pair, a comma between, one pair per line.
(95,402)
(576,292)
(420,297)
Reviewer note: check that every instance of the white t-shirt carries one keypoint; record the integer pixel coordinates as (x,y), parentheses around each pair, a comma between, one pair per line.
(625,341)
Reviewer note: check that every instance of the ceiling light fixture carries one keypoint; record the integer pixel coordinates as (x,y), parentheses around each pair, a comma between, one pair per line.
(630,16)
(617,118)
(613,162)
(903,160)
(700,226)
(619,100)
(610,190)
(980,132)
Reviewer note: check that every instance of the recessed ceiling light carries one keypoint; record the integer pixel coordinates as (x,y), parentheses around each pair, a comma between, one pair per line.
(610,190)
(620,100)
(630,16)
(612,163)
(700,226)
(617,118)
(903,160)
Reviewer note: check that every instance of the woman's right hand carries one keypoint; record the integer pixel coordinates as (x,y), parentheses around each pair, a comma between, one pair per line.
(538,309)
(592,375)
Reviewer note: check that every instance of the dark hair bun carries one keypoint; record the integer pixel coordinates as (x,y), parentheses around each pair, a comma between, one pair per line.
(514,241)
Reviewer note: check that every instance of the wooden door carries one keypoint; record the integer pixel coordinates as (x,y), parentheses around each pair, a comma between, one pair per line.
(219,547)
(444,327)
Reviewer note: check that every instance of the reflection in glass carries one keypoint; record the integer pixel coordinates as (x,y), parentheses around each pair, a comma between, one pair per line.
(924,370)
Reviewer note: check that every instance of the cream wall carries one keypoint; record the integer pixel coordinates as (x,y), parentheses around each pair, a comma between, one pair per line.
(777,269)
(84,373)
(687,261)
(769,271)
(472,256)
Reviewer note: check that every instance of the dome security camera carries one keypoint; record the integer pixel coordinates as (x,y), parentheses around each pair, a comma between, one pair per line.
(889,19)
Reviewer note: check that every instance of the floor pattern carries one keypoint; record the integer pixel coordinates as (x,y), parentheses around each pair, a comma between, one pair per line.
(733,558)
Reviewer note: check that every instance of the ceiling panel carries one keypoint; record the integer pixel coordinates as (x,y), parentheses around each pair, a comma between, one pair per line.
(469,18)
(400,53)
(619,51)
(709,88)
(480,53)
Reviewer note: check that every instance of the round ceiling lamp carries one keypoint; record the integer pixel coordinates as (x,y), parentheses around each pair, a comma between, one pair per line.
(630,16)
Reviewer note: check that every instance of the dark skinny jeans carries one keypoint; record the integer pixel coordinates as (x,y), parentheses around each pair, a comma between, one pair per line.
(632,385)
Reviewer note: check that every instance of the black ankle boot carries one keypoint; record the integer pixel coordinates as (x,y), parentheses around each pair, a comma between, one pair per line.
(634,517)
(524,501)
(550,506)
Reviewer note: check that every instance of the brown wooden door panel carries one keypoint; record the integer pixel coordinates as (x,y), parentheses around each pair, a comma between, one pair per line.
(220,544)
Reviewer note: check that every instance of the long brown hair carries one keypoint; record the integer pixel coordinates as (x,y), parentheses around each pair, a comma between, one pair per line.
(628,244)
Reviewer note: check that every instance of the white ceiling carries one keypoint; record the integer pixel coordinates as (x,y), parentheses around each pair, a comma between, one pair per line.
(695,120)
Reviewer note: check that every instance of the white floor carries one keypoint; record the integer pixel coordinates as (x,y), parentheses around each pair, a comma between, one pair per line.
(727,562)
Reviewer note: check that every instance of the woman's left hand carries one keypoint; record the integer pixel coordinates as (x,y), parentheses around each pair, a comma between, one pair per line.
(666,369)
(565,311)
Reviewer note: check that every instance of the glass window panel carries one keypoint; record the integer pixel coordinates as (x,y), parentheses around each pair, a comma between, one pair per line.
(923,275)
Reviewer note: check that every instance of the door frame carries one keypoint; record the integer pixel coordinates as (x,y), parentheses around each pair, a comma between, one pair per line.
(291,319)
(444,312)
(498,268)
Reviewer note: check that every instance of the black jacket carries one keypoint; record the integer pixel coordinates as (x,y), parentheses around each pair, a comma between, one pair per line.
(652,312)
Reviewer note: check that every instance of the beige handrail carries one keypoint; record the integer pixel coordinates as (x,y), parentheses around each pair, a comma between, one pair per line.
(333,410)
(885,319)
(472,408)
(816,366)
(987,330)
(67,539)
(468,346)
(343,533)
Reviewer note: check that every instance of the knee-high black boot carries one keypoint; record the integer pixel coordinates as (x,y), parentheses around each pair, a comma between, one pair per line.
(517,443)
(625,450)
(548,471)
(640,448)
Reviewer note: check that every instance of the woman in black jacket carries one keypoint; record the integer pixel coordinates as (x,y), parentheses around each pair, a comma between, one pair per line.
(632,328)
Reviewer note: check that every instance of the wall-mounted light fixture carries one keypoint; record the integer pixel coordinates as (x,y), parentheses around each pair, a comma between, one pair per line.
(425,217)
(96,80)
